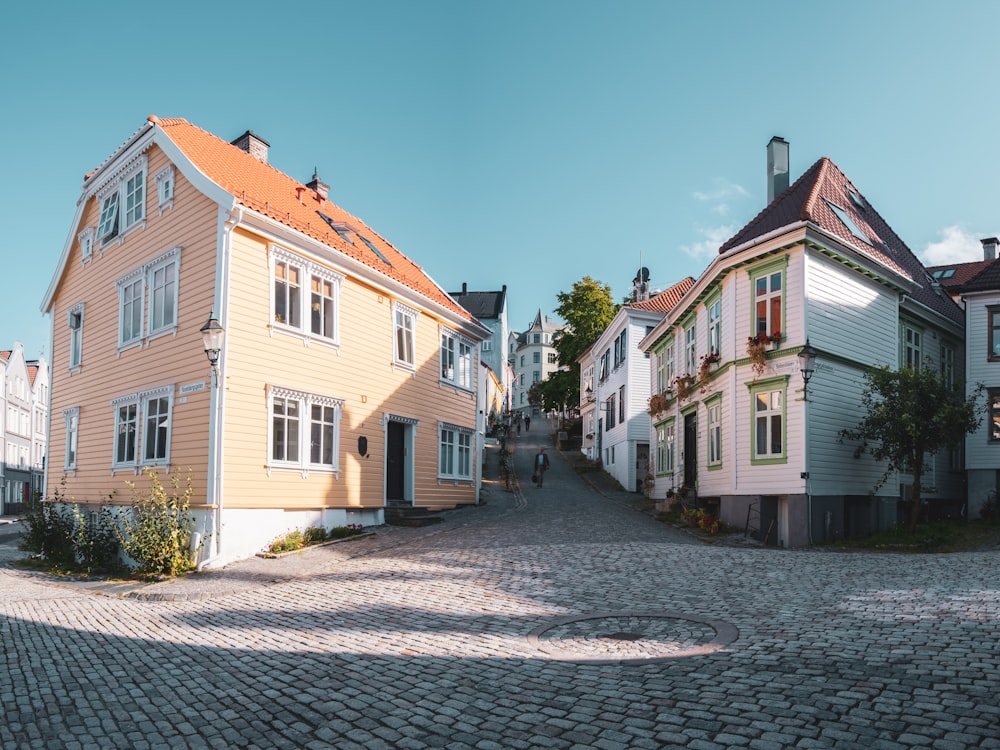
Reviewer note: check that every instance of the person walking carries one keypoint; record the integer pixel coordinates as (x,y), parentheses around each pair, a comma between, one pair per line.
(541,466)
(527,423)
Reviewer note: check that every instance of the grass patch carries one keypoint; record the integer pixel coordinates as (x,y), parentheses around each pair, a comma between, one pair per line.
(941,536)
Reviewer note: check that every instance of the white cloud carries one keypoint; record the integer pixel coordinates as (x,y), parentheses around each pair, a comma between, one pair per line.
(956,246)
(707,248)
(721,195)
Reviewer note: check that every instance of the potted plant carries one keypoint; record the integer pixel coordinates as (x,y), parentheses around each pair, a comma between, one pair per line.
(757,350)
(709,363)
(684,384)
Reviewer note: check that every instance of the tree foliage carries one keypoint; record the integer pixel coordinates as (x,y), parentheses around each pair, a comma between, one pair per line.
(587,309)
(558,391)
(911,414)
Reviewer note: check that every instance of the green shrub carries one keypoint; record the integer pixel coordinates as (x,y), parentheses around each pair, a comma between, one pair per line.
(49,531)
(155,532)
(95,543)
(293,540)
(342,532)
(314,535)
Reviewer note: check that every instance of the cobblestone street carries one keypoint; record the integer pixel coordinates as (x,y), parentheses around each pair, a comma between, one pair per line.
(554,617)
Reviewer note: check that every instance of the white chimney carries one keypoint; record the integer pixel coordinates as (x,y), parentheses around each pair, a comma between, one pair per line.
(990,248)
(777,167)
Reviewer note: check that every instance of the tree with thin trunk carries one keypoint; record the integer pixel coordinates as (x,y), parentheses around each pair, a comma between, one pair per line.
(912,414)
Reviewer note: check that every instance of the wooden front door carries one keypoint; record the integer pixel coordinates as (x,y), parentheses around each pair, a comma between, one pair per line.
(395,462)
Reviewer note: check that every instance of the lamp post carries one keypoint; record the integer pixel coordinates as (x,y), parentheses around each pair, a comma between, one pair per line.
(212,334)
(807,366)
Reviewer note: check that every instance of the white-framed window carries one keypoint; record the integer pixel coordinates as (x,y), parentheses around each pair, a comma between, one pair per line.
(456,359)
(553,358)
(621,341)
(665,436)
(486,346)
(74,319)
(767,282)
(454,452)
(72,417)
(314,315)
(611,411)
(715,433)
(299,419)
(768,436)
(143,428)
(152,289)
(715,326)
(162,277)
(948,366)
(404,340)
(165,188)
(536,376)
(131,299)
(690,350)
(86,240)
(911,347)
(123,201)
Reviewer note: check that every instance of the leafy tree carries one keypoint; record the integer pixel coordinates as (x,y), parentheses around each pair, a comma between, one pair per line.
(911,414)
(560,389)
(587,309)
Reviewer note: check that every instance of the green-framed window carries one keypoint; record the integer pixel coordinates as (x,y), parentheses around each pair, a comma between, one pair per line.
(768,432)
(713,406)
(767,286)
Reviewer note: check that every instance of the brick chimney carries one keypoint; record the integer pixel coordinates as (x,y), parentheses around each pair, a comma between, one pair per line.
(321,188)
(990,248)
(777,168)
(254,145)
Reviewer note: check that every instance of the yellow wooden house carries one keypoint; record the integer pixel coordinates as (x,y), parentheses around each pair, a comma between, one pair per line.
(346,383)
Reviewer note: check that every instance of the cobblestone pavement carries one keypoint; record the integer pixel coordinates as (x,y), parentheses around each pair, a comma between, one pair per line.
(546,618)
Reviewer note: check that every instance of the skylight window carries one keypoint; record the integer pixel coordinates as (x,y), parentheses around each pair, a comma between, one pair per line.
(944,273)
(856,199)
(375,250)
(848,222)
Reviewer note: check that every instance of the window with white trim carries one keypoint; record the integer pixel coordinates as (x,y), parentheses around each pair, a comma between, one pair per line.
(948,366)
(715,326)
(487,345)
(75,322)
(454,452)
(123,202)
(690,350)
(131,295)
(456,359)
(405,331)
(911,347)
(715,433)
(165,188)
(665,437)
(314,315)
(298,419)
(72,417)
(768,435)
(143,428)
(86,240)
(768,287)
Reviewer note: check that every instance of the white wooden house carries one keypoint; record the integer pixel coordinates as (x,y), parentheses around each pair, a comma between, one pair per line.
(817,265)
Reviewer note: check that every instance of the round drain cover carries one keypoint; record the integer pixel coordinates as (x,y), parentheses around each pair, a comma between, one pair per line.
(631,637)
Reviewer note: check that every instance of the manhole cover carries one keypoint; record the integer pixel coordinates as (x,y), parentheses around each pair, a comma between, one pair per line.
(631,637)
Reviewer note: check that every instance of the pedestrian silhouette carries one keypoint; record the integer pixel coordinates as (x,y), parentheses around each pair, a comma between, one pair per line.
(527,423)
(541,466)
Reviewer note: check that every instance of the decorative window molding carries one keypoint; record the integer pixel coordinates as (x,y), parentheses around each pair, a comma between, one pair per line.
(404,338)
(454,452)
(666,438)
(123,201)
(143,426)
(713,406)
(74,319)
(86,240)
(72,417)
(305,298)
(457,360)
(165,188)
(767,297)
(304,434)
(162,282)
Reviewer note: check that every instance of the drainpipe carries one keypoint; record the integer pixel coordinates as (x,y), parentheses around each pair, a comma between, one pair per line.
(218,392)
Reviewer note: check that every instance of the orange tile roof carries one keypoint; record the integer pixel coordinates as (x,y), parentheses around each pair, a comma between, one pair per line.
(262,188)
(666,300)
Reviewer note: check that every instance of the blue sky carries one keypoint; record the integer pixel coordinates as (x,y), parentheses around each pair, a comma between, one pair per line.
(518,143)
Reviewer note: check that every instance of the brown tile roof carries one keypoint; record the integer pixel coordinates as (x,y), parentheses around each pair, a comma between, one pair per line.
(962,273)
(809,199)
(666,300)
(985,279)
(262,188)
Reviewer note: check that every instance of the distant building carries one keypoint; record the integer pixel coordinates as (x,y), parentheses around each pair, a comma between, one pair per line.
(490,308)
(24,415)
(533,358)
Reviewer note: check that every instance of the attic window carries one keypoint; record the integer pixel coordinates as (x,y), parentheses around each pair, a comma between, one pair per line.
(856,199)
(375,250)
(944,273)
(848,222)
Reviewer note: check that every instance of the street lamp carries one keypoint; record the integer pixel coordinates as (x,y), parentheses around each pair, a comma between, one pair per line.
(212,334)
(807,366)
